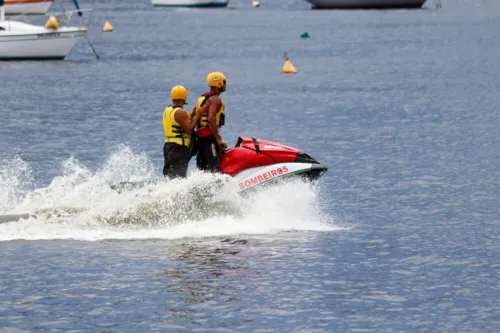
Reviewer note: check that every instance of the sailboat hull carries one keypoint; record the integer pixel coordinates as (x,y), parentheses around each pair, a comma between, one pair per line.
(190,3)
(16,7)
(365,4)
(21,41)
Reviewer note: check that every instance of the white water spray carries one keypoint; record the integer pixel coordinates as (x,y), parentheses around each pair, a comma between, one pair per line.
(80,204)
(15,178)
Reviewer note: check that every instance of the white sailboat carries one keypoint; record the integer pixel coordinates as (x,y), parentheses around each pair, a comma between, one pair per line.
(24,41)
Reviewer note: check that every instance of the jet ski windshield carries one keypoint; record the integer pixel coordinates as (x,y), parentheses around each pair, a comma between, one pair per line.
(305,158)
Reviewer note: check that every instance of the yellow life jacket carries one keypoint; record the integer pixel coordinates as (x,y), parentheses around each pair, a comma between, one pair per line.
(220,118)
(173,131)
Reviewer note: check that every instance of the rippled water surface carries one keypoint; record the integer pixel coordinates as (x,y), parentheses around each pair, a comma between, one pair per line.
(400,235)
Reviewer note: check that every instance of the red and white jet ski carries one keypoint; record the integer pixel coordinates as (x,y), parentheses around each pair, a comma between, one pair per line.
(253,162)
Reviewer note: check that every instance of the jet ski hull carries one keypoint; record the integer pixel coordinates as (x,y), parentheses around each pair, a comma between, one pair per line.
(269,174)
(254,162)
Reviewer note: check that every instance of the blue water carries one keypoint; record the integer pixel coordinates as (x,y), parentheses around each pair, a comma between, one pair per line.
(400,235)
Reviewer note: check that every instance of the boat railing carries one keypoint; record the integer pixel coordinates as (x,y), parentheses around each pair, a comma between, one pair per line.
(64,18)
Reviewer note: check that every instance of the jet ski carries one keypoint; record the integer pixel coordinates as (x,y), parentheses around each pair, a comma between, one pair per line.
(252,163)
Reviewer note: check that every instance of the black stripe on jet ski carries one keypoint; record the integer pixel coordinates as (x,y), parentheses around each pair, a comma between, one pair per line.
(257,146)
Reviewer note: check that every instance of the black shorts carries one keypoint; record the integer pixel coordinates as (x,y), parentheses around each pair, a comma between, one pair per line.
(208,158)
(176,160)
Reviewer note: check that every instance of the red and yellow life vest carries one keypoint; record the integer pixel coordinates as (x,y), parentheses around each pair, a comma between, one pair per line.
(203,130)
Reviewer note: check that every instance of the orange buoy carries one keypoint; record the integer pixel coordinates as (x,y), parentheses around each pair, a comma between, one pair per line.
(107,27)
(52,23)
(288,67)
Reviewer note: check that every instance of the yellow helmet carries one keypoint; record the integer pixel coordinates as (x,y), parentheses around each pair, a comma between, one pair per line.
(217,79)
(179,92)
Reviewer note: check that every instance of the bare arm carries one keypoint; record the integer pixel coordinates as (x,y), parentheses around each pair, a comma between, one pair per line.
(181,117)
(196,115)
(193,113)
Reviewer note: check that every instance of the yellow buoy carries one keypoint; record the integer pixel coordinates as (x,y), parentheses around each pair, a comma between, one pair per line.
(255,3)
(107,27)
(52,23)
(288,67)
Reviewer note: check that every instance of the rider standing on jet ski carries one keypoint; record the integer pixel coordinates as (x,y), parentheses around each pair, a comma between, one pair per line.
(209,143)
(178,128)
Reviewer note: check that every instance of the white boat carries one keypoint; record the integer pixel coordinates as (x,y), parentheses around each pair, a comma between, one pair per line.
(190,3)
(24,41)
(14,7)
(365,4)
